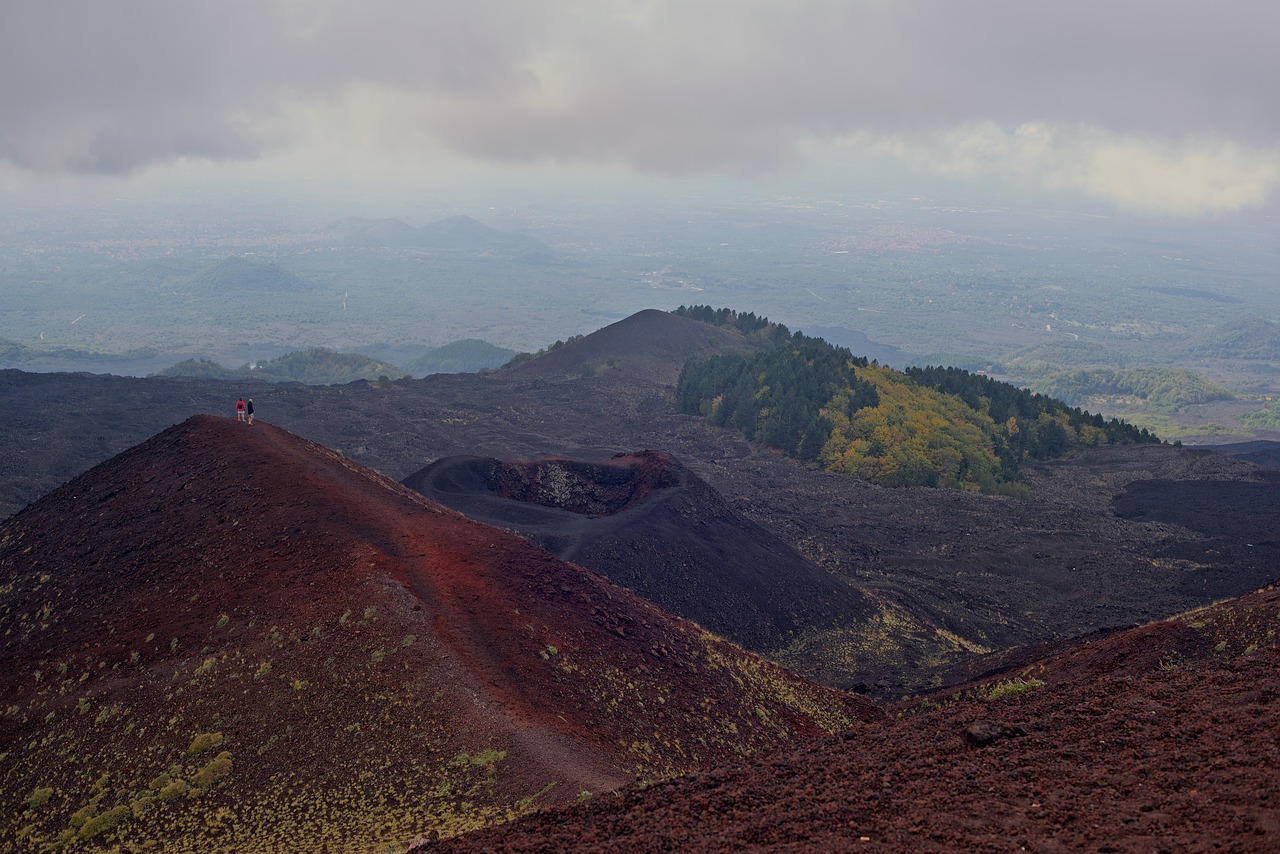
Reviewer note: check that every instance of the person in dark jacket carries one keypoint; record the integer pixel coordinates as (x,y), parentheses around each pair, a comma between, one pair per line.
(249,409)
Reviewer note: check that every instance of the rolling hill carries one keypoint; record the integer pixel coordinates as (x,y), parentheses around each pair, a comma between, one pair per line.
(230,637)
(1245,338)
(239,276)
(466,356)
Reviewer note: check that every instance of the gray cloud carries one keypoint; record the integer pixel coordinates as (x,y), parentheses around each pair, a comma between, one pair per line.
(672,87)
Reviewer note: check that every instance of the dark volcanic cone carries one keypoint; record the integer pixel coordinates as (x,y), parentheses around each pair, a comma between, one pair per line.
(231,637)
(649,344)
(654,527)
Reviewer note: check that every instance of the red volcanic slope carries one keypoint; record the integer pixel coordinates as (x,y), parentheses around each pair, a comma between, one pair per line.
(376,666)
(1161,738)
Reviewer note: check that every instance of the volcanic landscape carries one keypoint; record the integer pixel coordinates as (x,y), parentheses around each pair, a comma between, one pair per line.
(627,625)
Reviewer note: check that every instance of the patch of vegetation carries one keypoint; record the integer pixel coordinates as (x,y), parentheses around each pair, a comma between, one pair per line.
(173,790)
(102,822)
(1050,356)
(215,770)
(1172,431)
(784,397)
(39,797)
(1013,687)
(744,322)
(204,741)
(1266,418)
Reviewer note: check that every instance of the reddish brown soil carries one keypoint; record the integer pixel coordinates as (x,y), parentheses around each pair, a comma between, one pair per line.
(1156,739)
(369,656)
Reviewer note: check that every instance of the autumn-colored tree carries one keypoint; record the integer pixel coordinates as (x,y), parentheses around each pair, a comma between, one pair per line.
(922,427)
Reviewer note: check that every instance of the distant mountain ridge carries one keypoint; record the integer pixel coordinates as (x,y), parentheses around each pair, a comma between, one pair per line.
(317,366)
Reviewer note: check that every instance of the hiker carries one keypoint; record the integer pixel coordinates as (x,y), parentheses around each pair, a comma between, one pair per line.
(249,410)
(240,409)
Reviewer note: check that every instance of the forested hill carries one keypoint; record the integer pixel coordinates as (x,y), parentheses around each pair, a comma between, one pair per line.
(927,426)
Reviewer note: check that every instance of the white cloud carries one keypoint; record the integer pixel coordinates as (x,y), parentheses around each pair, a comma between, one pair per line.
(1190,177)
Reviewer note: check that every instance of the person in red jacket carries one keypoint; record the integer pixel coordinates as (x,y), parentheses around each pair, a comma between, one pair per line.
(240,409)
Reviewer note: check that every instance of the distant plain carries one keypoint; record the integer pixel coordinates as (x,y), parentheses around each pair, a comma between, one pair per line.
(1023,294)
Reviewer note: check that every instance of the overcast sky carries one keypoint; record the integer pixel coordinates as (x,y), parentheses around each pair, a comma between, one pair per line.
(1161,107)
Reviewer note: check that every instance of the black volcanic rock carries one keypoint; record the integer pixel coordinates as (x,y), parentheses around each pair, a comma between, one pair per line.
(1252,523)
(654,527)
(1261,452)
